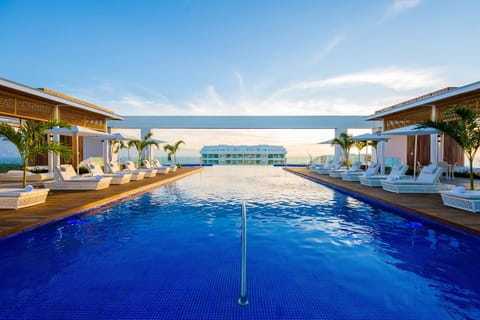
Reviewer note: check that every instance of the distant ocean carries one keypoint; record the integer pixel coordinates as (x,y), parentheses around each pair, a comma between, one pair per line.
(9,160)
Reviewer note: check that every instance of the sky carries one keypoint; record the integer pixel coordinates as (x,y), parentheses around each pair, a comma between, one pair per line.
(243,57)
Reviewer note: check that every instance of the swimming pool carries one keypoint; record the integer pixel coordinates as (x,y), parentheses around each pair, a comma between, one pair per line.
(174,253)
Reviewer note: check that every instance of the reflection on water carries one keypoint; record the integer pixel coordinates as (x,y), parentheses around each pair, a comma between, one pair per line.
(324,251)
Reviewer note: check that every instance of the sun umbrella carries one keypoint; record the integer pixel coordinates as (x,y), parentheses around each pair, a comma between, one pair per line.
(373,137)
(75,132)
(108,150)
(337,149)
(330,141)
(150,152)
(116,137)
(369,137)
(412,130)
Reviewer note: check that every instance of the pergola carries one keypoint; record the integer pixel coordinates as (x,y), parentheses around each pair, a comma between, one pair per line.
(19,102)
(432,148)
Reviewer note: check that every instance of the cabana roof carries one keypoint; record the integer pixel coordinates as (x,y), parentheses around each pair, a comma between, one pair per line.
(50,98)
(439,97)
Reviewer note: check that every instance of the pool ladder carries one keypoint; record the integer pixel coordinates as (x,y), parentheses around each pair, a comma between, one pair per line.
(243,300)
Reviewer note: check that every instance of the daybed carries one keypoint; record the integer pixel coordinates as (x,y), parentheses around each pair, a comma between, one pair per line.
(17,175)
(149,173)
(326,168)
(427,182)
(117,178)
(398,172)
(16,198)
(67,179)
(157,164)
(160,169)
(460,198)
(315,167)
(114,168)
(337,173)
(355,175)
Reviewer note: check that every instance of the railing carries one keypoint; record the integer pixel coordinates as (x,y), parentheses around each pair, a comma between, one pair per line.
(243,300)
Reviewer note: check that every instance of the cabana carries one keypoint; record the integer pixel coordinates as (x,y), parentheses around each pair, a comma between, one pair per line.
(21,102)
(432,147)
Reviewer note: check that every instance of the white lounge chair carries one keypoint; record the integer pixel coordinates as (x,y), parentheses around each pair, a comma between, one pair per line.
(327,168)
(67,179)
(355,175)
(16,198)
(314,167)
(157,164)
(114,168)
(159,169)
(398,172)
(149,173)
(17,175)
(460,198)
(117,178)
(427,182)
(337,173)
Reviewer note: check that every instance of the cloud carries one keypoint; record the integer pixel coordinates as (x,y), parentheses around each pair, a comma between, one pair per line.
(358,93)
(131,104)
(400,6)
(241,83)
(325,50)
(398,79)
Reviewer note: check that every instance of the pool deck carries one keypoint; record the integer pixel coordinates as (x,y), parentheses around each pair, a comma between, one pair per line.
(60,204)
(426,204)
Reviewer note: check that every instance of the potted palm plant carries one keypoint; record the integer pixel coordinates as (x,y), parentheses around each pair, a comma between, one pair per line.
(30,140)
(172,150)
(464,130)
(343,140)
(360,145)
(141,145)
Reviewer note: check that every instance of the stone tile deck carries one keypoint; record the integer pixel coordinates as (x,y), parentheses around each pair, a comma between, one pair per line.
(60,204)
(427,205)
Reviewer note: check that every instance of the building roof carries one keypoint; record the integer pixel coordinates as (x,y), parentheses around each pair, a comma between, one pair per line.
(425,100)
(59,99)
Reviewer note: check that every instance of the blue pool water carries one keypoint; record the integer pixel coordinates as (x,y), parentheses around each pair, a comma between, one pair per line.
(174,253)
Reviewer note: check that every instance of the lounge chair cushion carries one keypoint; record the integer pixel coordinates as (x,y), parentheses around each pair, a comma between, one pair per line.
(429,169)
(467,194)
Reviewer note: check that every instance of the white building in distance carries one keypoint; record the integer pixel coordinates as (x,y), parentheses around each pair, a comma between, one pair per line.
(243,155)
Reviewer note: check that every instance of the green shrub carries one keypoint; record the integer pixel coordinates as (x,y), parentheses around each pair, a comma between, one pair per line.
(4,167)
(82,170)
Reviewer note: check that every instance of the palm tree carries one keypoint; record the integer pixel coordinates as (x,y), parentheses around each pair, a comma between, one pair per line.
(464,130)
(141,145)
(30,140)
(374,144)
(116,146)
(344,143)
(359,145)
(172,150)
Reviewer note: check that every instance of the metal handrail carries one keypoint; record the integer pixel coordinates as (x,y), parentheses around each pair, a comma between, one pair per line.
(243,300)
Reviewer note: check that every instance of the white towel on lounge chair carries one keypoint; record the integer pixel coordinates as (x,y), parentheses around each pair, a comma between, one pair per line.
(459,189)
